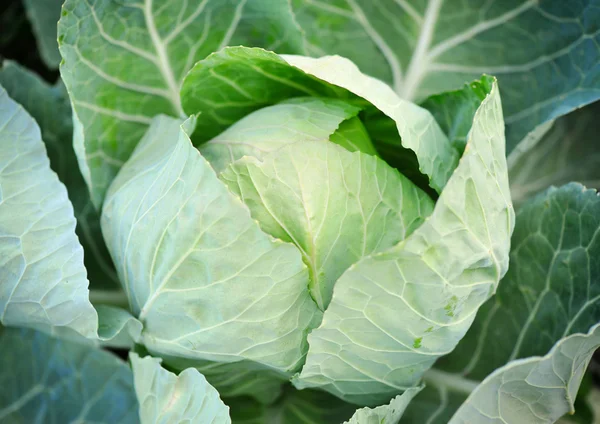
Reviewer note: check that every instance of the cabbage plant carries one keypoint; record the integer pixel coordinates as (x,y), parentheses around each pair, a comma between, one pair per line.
(257,222)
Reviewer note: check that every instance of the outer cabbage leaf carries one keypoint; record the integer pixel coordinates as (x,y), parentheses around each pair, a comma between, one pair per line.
(49,381)
(550,292)
(394,313)
(544,53)
(551,289)
(532,390)
(124,62)
(273,127)
(49,106)
(44,284)
(167,398)
(231,83)
(385,414)
(43,15)
(117,327)
(335,206)
(199,273)
(557,153)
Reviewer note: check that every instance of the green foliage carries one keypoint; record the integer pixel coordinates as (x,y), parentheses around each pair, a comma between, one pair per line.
(47,380)
(294,238)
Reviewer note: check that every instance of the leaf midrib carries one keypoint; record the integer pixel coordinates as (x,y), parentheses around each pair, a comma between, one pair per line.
(163,58)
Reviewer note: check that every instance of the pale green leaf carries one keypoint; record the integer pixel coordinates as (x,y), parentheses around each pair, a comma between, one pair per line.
(202,277)
(385,414)
(418,130)
(273,127)
(43,16)
(556,154)
(537,390)
(124,62)
(236,81)
(544,53)
(50,381)
(394,313)
(549,292)
(353,136)
(336,206)
(44,284)
(49,106)
(117,327)
(166,398)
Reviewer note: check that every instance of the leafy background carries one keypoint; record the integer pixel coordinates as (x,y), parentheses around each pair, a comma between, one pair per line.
(549,242)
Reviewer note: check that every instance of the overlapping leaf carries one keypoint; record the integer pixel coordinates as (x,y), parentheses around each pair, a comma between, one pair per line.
(551,289)
(236,379)
(44,284)
(273,127)
(230,84)
(49,106)
(393,314)
(168,398)
(532,390)
(43,280)
(418,130)
(124,63)
(337,207)
(544,53)
(385,414)
(203,278)
(117,327)
(550,292)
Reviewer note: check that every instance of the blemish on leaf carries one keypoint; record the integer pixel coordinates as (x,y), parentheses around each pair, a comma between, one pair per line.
(451,306)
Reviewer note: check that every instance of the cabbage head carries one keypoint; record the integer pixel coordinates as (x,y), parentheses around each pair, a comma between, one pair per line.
(301,223)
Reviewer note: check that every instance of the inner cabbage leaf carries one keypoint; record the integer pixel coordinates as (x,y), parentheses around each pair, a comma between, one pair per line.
(273,127)
(336,206)
(394,313)
(233,82)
